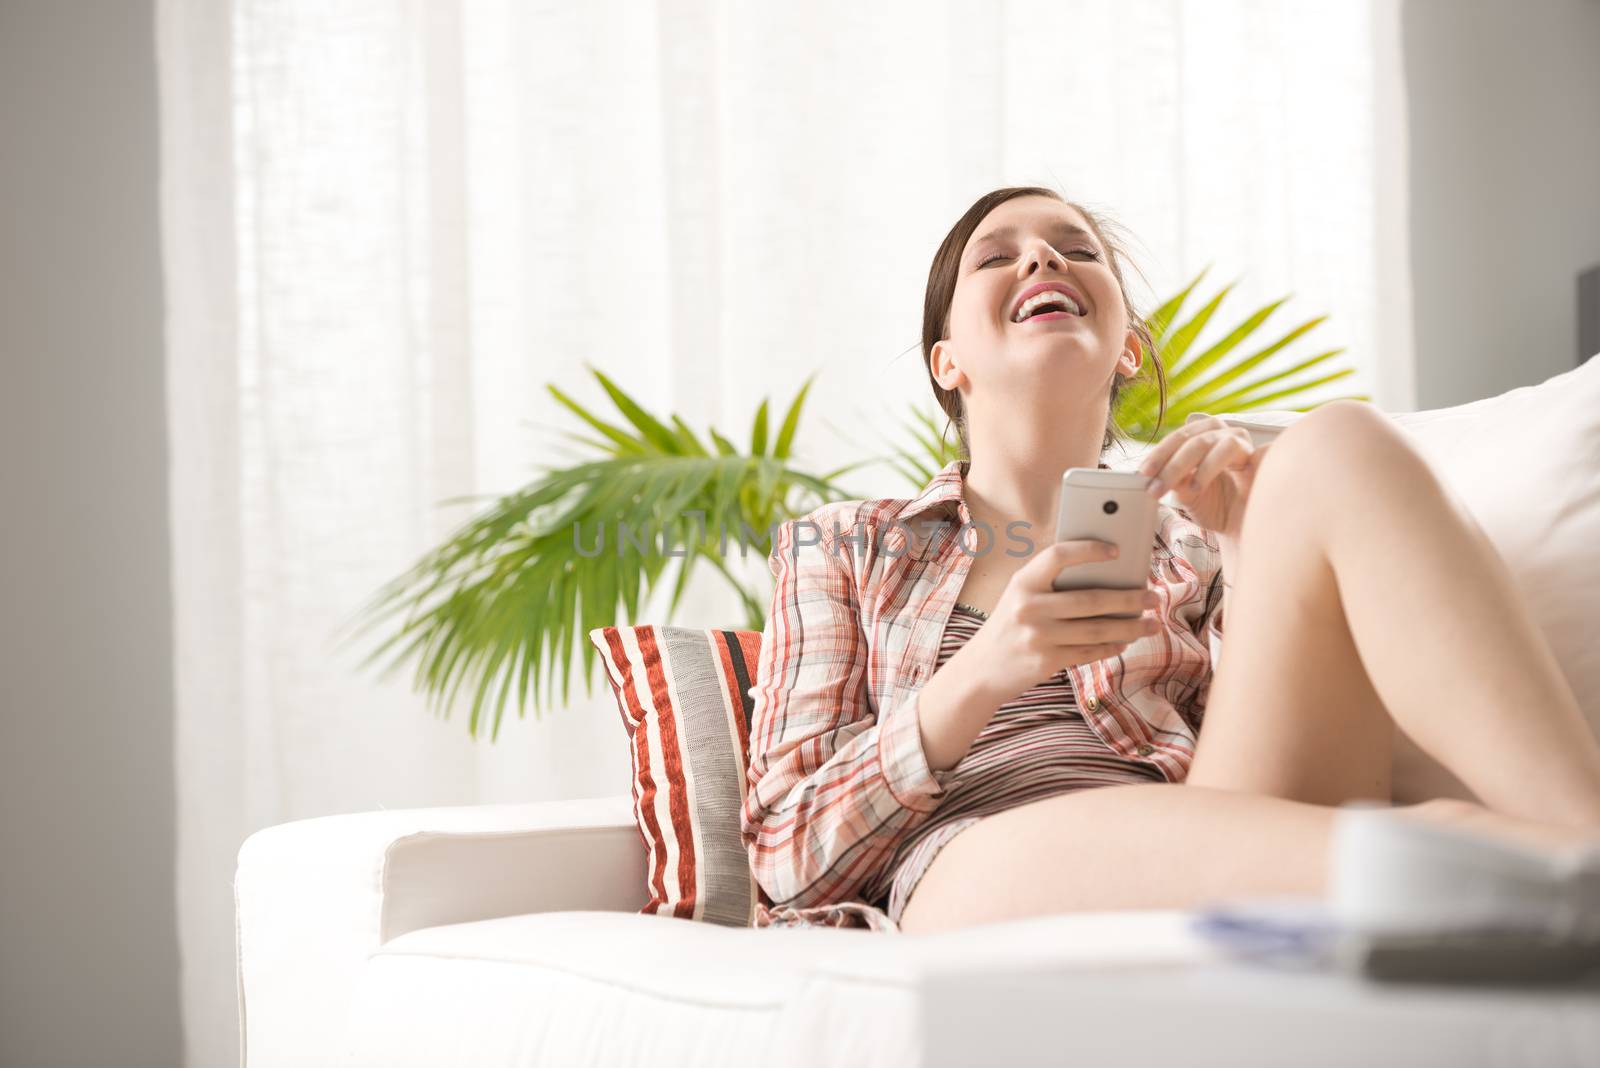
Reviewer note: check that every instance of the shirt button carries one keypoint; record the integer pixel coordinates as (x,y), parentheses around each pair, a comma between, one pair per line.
(1090,703)
(1146,750)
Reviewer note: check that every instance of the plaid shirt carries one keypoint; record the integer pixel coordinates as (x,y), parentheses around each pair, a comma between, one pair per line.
(837,774)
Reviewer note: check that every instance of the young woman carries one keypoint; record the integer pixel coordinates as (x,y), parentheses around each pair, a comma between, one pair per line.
(940,739)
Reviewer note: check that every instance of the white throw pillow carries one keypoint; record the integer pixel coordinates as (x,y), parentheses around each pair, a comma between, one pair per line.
(1526,465)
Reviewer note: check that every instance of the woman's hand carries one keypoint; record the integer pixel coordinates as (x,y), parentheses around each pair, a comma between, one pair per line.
(1210,467)
(1036,630)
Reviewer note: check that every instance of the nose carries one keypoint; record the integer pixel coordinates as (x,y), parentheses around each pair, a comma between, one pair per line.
(1039,253)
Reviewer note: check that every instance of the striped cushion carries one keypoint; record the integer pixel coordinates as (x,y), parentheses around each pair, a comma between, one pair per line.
(684,696)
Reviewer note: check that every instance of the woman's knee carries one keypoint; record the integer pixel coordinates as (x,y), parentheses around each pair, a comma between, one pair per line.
(1322,468)
(1334,439)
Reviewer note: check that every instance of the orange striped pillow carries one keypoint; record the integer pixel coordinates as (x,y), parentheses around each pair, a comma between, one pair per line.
(684,697)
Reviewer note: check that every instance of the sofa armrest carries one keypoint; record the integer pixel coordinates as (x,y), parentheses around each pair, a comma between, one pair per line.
(314,897)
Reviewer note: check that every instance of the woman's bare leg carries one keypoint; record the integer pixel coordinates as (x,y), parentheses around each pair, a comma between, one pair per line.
(1365,595)
(1147,846)
(1141,846)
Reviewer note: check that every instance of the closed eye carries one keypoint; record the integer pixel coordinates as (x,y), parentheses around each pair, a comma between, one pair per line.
(1081,251)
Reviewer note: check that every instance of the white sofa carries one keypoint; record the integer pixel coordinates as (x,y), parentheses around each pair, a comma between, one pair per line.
(509,934)
(506,935)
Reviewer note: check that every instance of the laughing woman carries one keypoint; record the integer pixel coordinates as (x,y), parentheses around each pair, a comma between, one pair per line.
(940,739)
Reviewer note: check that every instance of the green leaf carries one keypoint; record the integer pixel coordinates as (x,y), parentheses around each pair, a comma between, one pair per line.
(624,442)
(1193,368)
(1161,319)
(609,448)
(758,432)
(836,472)
(691,444)
(914,474)
(1261,401)
(930,451)
(1178,343)
(1212,397)
(791,421)
(569,632)
(685,569)
(648,425)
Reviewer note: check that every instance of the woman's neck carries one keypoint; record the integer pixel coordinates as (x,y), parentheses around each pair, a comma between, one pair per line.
(999,492)
(1019,452)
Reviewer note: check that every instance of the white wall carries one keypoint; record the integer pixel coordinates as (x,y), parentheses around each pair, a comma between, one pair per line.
(88,939)
(1504,119)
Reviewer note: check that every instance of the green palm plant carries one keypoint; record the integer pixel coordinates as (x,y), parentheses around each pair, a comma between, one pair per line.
(507,597)
(1197,380)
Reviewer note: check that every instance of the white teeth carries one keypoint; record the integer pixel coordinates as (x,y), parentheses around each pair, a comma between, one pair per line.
(1047,297)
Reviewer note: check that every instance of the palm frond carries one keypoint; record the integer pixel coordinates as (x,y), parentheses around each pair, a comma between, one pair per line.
(1199,380)
(930,448)
(510,593)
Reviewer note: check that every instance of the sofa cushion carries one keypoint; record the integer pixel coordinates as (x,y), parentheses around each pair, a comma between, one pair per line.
(628,988)
(684,698)
(1526,464)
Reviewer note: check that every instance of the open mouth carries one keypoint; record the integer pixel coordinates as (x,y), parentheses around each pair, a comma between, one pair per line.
(1047,316)
(1047,306)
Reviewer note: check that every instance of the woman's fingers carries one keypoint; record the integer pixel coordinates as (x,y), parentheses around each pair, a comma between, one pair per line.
(1197,461)
(1064,605)
(1182,461)
(1065,633)
(1039,574)
(1165,450)
(1232,451)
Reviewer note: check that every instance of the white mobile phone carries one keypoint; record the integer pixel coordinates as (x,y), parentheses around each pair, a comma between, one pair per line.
(1109,506)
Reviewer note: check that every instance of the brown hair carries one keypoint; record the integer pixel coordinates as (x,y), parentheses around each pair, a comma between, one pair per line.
(942,286)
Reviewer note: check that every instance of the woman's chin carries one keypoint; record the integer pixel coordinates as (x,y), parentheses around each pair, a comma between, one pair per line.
(1064,355)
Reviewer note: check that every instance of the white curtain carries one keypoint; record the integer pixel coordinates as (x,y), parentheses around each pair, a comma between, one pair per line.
(388,224)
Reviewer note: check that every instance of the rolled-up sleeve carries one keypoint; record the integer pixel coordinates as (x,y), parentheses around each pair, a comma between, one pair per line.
(834,786)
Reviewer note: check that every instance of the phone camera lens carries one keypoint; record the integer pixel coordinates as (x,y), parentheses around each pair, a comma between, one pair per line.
(1109,507)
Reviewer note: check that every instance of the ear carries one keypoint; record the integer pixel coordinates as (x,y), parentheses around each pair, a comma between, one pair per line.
(1132,357)
(946,371)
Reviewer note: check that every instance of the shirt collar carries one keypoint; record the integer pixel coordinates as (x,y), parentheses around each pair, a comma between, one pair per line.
(943,493)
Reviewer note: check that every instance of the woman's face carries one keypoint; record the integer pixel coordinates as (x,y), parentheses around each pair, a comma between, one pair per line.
(1023,243)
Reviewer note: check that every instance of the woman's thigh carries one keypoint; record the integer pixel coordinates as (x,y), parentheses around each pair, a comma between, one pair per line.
(1291,711)
(1140,846)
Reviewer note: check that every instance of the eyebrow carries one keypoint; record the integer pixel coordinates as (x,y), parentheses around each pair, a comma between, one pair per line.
(1061,226)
